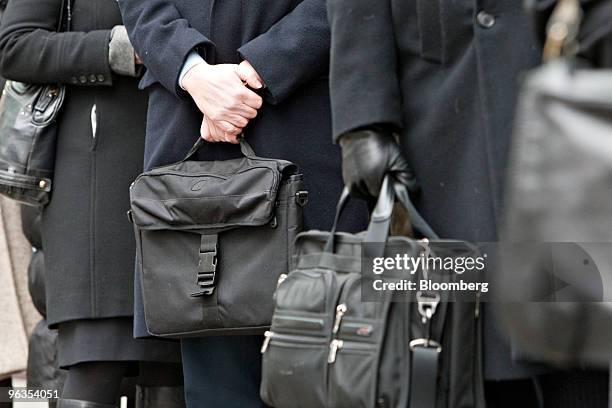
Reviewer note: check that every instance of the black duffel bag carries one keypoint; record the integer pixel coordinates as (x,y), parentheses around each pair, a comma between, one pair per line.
(213,237)
(329,348)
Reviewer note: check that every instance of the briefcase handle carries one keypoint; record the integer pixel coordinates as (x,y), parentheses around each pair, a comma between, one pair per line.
(245,148)
(378,229)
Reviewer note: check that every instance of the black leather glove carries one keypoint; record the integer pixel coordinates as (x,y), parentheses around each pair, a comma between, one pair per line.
(367,155)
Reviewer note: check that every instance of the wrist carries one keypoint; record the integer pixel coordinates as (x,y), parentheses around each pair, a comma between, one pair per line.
(191,61)
(192,76)
(369,136)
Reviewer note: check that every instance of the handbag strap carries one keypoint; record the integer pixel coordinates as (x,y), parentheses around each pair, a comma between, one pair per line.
(378,229)
(425,351)
(344,198)
(424,377)
(417,221)
(245,148)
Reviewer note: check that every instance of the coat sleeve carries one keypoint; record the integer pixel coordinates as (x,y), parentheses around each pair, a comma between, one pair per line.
(364,85)
(162,38)
(292,52)
(31,49)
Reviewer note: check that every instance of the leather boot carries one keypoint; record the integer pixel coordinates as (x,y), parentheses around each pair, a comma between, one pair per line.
(72,403)
(160,397)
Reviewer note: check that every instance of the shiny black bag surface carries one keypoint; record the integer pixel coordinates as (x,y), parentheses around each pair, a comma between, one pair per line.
(213,237)
(28,133)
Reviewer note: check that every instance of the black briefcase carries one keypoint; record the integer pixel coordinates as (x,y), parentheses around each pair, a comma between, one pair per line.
(328,347)
(213,237)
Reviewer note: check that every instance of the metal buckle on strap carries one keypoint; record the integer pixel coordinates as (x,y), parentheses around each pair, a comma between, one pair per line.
(425,343)
(427,305)
(207,265)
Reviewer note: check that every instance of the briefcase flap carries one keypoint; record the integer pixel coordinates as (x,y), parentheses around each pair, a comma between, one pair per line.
(215,195)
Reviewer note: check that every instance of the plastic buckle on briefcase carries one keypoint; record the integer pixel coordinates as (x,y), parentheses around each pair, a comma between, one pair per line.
(425,343)
(207,266)
(301,198)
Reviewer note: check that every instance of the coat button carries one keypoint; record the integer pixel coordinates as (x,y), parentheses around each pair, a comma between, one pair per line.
(83,79)
(92,78)
(485,19)
(74,80)
(101,78)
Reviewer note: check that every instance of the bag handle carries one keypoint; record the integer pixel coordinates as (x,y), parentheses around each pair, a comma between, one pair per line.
(416,219)
(378,229)
(245,148)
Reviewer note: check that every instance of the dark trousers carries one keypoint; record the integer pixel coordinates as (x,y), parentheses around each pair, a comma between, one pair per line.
(222,371)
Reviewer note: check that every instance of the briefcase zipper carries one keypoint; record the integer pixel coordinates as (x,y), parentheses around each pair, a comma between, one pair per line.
(336,345)
(298,324)
(288,340)
(340,311)
(267,337)
(281,279)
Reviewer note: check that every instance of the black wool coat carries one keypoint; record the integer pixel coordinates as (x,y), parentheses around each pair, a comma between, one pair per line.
(287,42)
(88,243)
(446,74)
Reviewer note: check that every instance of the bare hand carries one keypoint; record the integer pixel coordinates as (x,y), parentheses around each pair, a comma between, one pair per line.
(248,75)
(221,96)
(213,133)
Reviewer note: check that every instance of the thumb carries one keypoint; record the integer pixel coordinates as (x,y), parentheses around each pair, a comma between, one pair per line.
(205,131)
(248,75)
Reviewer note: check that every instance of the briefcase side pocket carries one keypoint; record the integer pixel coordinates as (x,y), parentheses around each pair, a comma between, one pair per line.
(295,350)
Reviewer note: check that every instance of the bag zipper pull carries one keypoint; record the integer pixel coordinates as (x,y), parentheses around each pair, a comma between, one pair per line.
(334,346)
(340,311)
(268,336)
(281,279)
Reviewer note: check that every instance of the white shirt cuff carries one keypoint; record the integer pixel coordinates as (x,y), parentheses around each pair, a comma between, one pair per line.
(191,61)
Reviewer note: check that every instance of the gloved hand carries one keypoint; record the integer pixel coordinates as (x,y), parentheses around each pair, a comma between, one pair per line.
(367,155)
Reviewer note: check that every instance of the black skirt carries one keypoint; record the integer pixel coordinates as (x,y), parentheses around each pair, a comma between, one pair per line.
(110,339)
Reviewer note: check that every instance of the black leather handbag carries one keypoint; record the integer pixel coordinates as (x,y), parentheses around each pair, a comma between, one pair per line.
(329,348)
(28,133)
(213,237)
